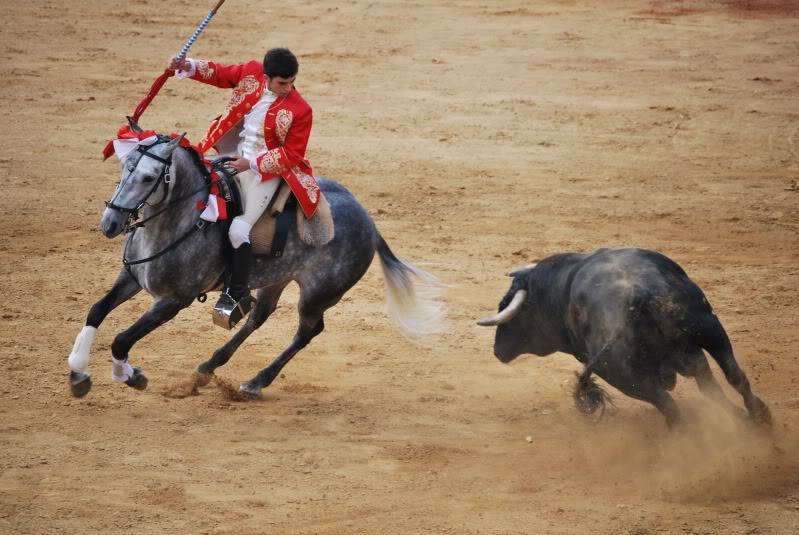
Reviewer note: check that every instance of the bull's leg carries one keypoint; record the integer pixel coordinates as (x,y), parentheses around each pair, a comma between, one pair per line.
(695,365)
(660,398)
(715,340)
(162,311)
(643,388)
(311,324)
(267,303)
(123,289)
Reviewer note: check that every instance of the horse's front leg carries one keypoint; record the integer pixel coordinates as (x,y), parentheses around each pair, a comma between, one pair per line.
(123,289)
(163,310)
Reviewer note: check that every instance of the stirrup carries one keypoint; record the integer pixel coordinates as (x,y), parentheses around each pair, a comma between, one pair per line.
(227,312)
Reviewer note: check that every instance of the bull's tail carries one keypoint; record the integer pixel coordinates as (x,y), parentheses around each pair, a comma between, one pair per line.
(590,398)
(412,295)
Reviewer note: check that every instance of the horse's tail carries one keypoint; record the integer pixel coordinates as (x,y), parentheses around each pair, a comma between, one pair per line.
(412,295)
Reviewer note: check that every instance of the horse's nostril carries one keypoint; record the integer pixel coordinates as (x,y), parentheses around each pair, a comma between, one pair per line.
(112,228)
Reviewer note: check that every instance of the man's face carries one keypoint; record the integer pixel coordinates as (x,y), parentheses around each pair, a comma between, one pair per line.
(280,86)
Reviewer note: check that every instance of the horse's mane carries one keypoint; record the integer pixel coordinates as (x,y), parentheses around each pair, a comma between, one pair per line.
(198,162)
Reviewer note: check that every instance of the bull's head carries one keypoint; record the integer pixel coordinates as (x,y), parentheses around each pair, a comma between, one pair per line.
(519,326)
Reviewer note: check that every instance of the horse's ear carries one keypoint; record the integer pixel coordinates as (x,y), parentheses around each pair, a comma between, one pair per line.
(175,142)
(134,125)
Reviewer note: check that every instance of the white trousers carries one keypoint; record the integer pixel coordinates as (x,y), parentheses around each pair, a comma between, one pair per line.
(255,197)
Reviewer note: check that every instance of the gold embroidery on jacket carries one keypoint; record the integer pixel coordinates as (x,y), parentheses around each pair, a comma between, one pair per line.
(307,182)
(282,124)
(270,162)
(248,85)
(260,143)
(204,69)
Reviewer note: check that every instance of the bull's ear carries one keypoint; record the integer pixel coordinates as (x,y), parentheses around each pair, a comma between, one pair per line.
(521,270)
(134,125)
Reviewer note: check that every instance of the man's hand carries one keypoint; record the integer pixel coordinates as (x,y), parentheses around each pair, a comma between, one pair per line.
(239,164)
(174,65)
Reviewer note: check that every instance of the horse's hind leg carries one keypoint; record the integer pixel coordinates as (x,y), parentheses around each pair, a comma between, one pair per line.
(162,311)
(123,289)
(267,303)
(311,324)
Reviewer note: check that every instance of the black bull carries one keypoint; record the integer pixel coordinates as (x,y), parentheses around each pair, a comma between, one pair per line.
(632,316)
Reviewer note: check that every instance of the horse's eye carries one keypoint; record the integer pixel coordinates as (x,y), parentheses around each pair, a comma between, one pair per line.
(148,178)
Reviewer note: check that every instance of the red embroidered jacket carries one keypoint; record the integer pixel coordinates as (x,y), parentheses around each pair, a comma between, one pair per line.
(287,126)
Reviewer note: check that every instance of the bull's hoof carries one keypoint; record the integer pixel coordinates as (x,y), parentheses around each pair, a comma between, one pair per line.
(138,380)
(79,384)
(761,414)
(250,390)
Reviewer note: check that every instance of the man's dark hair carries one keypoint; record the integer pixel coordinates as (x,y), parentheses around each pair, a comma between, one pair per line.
(280,62)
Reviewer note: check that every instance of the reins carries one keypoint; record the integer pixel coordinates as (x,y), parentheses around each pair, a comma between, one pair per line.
(127,263)
(164,175)
(134,212)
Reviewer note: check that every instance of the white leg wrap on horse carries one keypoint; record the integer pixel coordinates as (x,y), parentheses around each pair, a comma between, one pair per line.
(239,232)
(121,371)
(79,358)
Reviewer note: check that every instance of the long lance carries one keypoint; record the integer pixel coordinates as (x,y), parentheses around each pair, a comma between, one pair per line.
(185,50)
(161,80)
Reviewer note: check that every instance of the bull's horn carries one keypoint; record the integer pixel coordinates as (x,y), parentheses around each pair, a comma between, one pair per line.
(517,271)
(505,315)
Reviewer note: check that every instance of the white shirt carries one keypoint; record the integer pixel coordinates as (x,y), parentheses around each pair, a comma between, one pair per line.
(252,135)
(252,143)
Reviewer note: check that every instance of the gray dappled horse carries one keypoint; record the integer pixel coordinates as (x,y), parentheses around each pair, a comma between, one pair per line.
(176,257)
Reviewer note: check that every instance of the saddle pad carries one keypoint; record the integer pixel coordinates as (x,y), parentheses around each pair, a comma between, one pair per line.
(320,229)
(262,235)
(317,231)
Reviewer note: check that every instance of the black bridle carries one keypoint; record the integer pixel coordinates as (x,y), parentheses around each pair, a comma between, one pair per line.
(133,213)
(163,177)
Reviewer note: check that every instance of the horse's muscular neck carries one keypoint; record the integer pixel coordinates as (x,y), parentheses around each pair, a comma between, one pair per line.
(180,216)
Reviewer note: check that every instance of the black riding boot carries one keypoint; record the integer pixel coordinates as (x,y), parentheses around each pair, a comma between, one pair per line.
(240,273)
(236,302)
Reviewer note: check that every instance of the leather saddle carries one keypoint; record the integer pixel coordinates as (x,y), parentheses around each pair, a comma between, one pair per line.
(268,235)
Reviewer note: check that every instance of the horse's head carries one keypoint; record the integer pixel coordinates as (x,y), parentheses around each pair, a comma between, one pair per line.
(144,172)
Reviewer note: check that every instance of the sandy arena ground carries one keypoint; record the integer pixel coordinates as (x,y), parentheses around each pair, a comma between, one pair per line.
(481,136)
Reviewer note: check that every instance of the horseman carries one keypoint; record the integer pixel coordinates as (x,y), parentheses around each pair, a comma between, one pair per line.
(265,128)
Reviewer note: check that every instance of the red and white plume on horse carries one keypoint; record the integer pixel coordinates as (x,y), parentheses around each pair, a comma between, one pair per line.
(128,142)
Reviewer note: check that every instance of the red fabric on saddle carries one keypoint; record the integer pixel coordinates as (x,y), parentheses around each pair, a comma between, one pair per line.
(220,201)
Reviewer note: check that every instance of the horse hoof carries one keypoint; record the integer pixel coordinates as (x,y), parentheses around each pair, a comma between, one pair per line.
(79,384)
(138,380)
(250,391)
(201,378)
